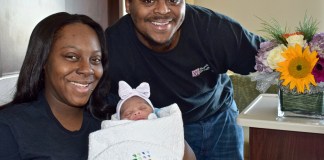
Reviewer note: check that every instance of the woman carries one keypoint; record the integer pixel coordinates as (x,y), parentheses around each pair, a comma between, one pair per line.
(49,116)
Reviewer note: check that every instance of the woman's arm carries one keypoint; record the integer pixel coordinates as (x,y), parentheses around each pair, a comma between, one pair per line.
(8,148)
(188,153)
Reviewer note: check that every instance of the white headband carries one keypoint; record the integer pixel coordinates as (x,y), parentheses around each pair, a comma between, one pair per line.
(125,92)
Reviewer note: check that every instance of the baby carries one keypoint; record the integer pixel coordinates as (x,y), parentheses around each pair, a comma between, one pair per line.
(129,135)
(134,103)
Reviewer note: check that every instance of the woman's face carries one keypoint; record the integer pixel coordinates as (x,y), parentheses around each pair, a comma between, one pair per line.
(73,68)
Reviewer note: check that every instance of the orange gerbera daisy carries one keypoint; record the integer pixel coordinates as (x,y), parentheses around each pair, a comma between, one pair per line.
(296,70)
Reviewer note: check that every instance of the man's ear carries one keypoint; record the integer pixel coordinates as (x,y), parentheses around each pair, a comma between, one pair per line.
(127,5)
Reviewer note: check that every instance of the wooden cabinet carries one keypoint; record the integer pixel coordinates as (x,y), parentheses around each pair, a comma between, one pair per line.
(270,144)
(281,138)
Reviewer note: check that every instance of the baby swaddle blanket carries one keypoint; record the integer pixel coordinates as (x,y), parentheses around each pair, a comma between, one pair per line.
(154,139)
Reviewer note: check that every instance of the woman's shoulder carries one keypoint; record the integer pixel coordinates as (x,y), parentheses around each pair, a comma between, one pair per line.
(12,108)
(13,111)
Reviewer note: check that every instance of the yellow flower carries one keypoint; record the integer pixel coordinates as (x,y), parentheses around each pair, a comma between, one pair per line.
(296,70)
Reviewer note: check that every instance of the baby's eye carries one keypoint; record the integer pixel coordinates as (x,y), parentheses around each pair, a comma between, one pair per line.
(142,107)
(128,114)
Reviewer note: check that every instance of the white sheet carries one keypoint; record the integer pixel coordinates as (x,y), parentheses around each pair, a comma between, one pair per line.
(158,139)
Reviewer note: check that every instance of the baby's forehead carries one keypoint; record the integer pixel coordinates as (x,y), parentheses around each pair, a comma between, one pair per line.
(135,99)
(133,102)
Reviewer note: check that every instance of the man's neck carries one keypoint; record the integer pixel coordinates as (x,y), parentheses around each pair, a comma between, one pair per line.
(165,47)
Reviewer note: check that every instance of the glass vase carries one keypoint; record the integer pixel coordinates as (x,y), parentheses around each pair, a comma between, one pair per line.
(301,105)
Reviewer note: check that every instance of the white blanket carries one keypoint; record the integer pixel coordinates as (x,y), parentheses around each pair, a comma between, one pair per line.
(155,139)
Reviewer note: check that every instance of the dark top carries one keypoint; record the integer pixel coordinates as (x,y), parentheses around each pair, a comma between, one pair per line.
(30,131)
(193,74)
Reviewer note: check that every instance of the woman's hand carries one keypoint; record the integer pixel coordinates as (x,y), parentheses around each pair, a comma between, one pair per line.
(188,153)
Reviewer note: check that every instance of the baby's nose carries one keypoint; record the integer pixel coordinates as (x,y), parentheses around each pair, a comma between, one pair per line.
(137,113)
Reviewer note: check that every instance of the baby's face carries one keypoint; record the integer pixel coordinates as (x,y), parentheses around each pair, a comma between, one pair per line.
(135,108)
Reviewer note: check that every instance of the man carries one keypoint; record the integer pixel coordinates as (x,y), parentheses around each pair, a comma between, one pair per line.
(183,52)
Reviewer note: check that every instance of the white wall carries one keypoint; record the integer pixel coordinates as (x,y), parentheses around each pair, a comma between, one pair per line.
(190,1)
(288,12)
(7,88)
(19,17)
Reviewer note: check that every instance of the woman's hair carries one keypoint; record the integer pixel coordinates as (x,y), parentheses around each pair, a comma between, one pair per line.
(31,77)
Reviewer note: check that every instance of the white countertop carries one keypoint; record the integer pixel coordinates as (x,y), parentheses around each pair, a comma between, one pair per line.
(263,113)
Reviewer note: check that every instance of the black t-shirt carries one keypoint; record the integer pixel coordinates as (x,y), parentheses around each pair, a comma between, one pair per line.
(30,131)
(193,74)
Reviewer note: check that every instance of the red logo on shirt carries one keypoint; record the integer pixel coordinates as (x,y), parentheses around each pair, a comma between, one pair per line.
(198,71)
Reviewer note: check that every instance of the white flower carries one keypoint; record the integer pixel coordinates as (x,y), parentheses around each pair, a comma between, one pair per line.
(275,56)
(296,39)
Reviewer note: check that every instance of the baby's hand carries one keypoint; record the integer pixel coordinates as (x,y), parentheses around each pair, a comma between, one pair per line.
(169,110)
(152,116)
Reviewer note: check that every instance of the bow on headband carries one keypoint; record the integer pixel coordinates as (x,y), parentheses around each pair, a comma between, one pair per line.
(125,91)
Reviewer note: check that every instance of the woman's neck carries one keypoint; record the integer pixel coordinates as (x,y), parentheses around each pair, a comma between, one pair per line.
(70,119)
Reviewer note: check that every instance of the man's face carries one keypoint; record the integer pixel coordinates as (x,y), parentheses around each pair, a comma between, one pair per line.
(157,22)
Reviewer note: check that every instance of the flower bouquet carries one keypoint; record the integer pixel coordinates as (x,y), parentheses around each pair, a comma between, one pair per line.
(295,62)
